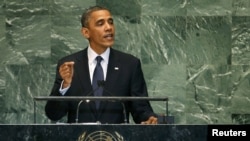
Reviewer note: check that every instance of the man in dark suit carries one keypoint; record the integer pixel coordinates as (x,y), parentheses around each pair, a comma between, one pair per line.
(122,76)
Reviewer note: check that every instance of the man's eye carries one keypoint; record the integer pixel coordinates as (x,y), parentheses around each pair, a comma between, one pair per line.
(100,23)
(111,22)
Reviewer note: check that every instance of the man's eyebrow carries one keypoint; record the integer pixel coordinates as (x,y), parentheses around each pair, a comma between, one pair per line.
(99,20)
(102,20)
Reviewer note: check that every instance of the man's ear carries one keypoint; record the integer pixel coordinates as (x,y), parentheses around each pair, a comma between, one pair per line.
(85,32)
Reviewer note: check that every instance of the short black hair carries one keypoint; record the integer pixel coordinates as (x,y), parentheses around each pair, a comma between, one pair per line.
(87,12)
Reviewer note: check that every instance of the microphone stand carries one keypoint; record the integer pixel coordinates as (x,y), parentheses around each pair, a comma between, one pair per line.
(77,111)
(101,84)
(124,113)
(80,102)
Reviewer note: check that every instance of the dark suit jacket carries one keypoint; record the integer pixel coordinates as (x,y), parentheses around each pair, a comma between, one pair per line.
(128,80)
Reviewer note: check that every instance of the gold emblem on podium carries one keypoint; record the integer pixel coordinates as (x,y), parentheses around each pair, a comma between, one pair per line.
(100,136)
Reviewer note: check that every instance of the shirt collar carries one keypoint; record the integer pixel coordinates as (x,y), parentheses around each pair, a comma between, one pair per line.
(92,55)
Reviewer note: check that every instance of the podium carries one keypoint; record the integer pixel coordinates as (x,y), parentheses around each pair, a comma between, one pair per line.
(81,132)
(104,98)
(116,132)
(120,132)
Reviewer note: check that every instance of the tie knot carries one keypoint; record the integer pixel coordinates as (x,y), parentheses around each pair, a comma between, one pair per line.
(98,59)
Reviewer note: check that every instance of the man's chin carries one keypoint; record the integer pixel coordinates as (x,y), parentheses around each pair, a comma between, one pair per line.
(109,45)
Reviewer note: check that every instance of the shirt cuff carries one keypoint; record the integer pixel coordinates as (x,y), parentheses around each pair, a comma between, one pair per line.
(63,90)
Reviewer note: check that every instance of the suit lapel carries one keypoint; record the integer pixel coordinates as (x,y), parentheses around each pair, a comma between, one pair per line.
(113,68)
(82,71)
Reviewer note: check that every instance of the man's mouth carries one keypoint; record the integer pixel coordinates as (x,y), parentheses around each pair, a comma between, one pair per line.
(108,36)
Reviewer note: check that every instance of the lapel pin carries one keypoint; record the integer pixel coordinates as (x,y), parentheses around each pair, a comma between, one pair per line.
(116,68)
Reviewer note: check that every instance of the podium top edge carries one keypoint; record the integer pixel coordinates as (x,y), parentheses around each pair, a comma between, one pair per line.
(119,98)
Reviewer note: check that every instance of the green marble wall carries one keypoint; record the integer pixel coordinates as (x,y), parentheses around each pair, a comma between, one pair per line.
(196,52)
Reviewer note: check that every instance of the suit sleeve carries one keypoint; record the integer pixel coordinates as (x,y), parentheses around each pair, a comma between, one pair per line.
(141,110)
(55,110)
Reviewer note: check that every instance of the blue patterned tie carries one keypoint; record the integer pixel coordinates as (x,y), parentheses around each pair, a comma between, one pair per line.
(98,76)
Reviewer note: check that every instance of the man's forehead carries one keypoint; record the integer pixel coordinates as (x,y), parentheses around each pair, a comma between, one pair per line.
(101,14)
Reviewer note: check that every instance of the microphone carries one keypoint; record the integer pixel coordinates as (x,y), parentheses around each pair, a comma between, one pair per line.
(80,102)
(101,83)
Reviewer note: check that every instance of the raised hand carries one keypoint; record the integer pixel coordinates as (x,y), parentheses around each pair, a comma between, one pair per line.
(66,71)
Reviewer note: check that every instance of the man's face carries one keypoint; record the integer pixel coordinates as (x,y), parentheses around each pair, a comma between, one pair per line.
(100,30)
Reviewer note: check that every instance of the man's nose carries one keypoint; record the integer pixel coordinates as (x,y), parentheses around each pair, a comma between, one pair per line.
(108,26)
